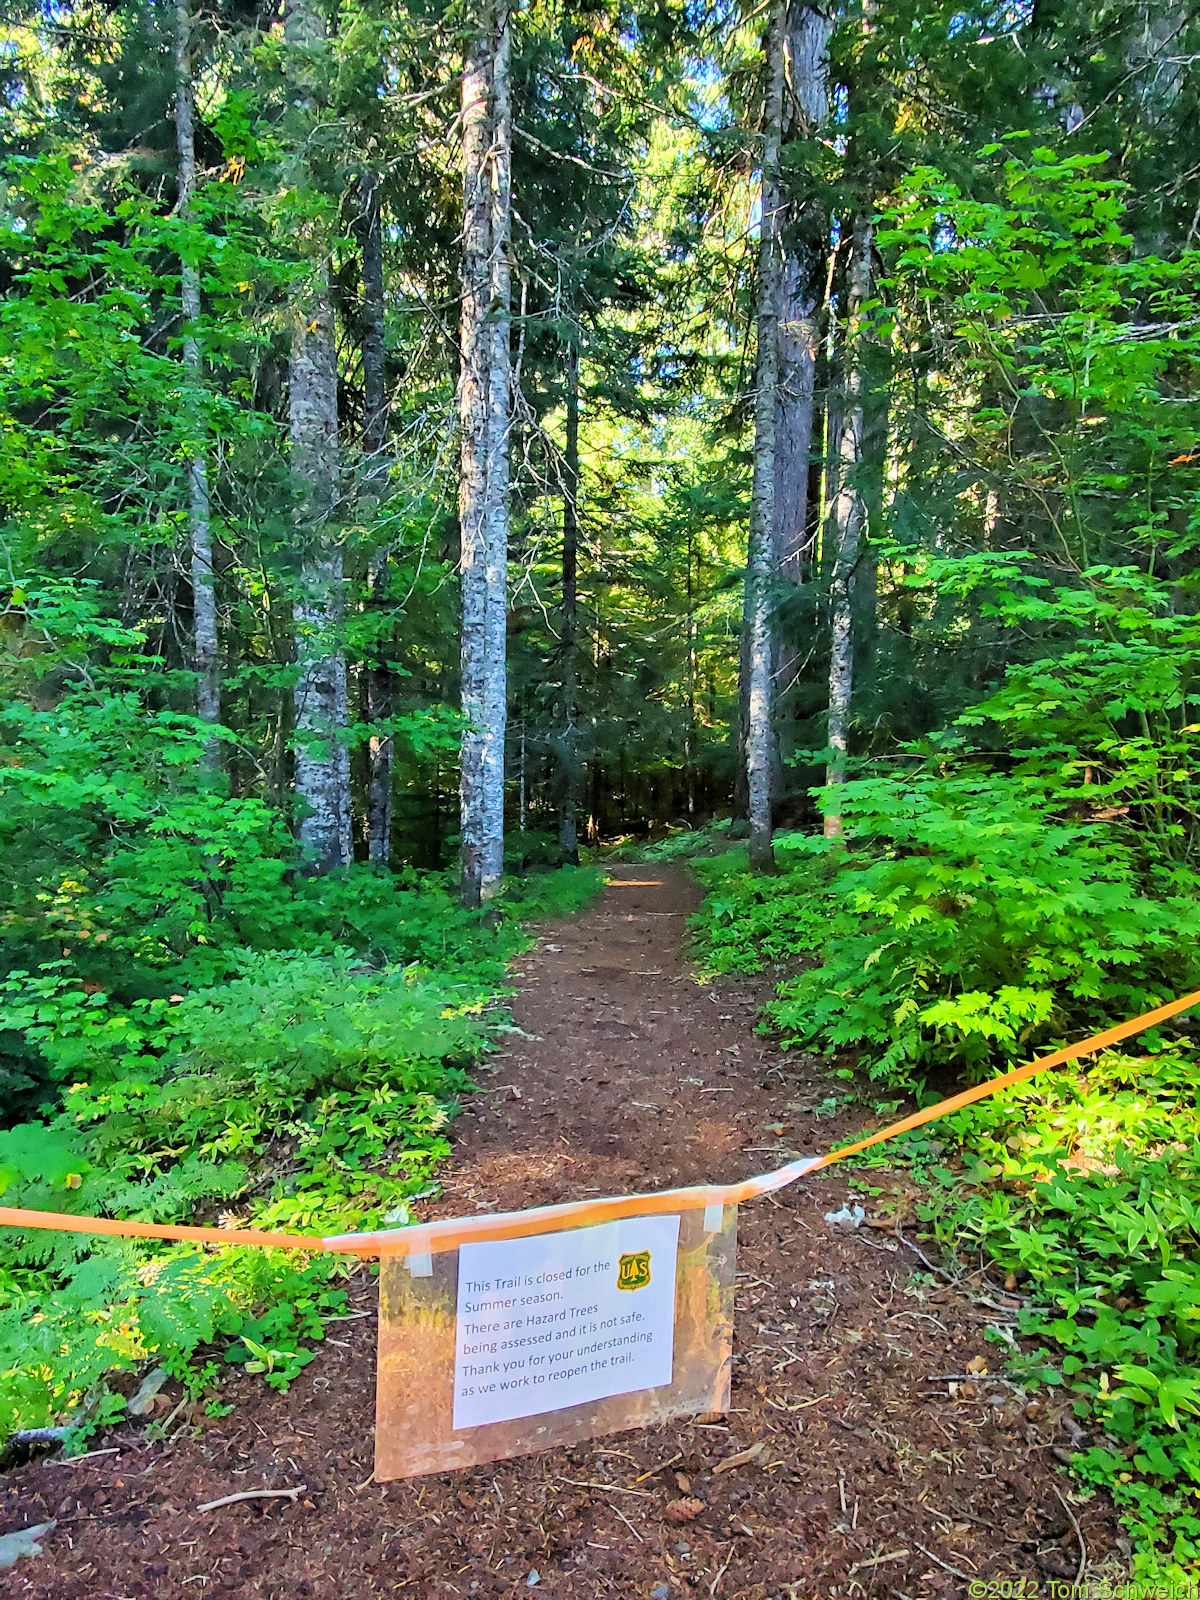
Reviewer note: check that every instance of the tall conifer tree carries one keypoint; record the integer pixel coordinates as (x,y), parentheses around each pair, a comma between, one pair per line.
(204,600)
(322,779)
(759,564)
(485,402)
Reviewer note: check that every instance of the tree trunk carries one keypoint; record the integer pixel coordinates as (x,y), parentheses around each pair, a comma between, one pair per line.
(204,600)
(568,838)
(741,727)
(799,313)
(485,387)
(322,773)
(373,310)
(759,575)
(804,247)
(847,516)
(804,229)
(690,741)
(499,449)
(864,592)
(379,746)
(379,687)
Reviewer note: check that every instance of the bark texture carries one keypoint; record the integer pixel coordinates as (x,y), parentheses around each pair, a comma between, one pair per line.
(804,230)
(374,432)
(759,574)
(568,837)
(322,768)
(485,395)
(498,445)
(848,514)
(204,599)
(379,706)
(378,694)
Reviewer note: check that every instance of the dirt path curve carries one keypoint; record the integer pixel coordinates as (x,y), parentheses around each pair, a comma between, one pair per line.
(884,1473)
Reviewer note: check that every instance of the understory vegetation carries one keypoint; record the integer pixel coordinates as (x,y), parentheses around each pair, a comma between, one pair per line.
(967,921)
(439,439)
(310,1089)
(190,1030)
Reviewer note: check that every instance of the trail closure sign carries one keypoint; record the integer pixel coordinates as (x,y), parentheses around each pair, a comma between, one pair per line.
(501,1347)
(564,1318)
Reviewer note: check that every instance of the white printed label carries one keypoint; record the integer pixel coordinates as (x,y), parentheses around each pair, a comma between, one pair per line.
(564,1318)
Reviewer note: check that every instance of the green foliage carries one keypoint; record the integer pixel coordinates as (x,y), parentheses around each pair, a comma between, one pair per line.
(965,925)
(135,867)
(748,922)
(962,926)
(683,844)
(311,1089)
(1087,1187)
(310,1093)
(543,896)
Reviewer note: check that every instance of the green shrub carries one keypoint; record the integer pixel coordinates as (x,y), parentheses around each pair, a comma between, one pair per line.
(969,920)
(748,922)
(310,1093)
(1087,1187)
(966,924)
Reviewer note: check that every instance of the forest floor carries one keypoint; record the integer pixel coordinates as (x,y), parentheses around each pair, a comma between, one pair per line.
(894,1464)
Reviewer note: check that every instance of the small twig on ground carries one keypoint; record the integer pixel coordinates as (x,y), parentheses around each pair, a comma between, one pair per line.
(945,1565)
(712,1588)
(876,1561)
(73,1461)
(921,1256)
(1078,1534)
(254,1494)
(186,1401)
(614,1488)
(678,1456)
(618,1512)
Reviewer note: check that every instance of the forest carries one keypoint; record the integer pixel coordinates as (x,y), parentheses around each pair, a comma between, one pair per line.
(450,446)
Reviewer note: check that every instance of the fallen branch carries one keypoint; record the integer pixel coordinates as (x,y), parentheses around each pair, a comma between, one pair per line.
(1078,1534)
(945,1565)
(921,1256)
(877,1561)
(254,1494)
(610,1488)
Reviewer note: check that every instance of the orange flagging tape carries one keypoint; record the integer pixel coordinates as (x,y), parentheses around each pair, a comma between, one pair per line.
(428,1237)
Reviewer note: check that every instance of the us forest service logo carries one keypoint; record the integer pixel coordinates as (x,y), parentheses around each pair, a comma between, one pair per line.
(633,1270)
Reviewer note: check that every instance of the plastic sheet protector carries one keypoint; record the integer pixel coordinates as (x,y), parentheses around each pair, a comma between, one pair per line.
(505,1346)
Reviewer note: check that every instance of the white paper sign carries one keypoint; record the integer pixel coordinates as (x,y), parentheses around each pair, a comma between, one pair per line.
(564,1318)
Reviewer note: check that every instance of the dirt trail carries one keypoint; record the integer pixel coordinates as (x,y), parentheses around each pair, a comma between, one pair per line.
(884,1472)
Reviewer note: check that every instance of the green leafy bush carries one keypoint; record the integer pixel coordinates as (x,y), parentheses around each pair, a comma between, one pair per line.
(1087,1187)
(310,1093)
(974,916)
(966,924)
